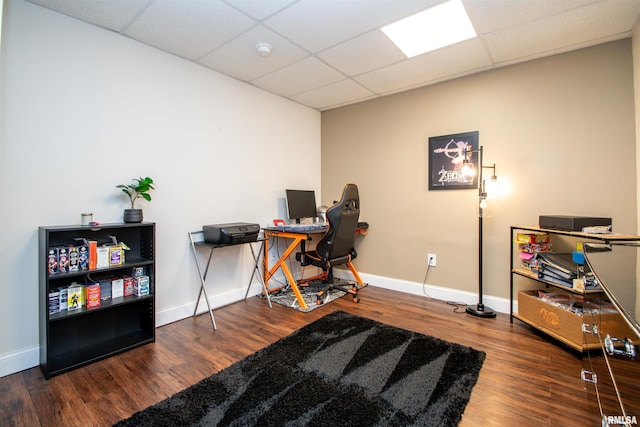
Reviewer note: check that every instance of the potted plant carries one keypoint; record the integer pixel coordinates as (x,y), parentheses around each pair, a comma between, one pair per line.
(139,189)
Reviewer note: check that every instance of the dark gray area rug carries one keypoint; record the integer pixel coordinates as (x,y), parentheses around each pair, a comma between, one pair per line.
(341,370)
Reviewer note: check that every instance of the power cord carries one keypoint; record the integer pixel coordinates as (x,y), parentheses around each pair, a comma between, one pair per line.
(459,307)
(424,282)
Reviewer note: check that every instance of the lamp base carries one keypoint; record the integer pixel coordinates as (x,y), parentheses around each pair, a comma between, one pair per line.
(480,310)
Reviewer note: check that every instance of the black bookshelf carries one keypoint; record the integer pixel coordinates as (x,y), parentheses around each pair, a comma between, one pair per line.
(73,338)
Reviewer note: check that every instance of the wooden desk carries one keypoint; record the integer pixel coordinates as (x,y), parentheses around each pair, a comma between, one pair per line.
(298,238)
(202,273)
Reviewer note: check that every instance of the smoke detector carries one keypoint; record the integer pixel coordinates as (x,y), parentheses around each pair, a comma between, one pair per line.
(263,49)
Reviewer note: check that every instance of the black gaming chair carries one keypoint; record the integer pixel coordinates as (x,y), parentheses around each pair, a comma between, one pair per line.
(336,246)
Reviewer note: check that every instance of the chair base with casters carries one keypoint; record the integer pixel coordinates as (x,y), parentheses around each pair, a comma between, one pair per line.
(326,282)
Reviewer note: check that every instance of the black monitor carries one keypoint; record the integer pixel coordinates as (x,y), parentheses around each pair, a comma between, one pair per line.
(301,204)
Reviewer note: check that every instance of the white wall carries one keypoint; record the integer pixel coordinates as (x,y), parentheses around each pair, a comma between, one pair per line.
(84,109)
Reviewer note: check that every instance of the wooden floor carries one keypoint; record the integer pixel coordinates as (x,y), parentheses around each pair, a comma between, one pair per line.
(526,380)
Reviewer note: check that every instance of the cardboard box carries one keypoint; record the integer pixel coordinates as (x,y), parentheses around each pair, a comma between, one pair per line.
(83,257)
(54,302)
(138,271)
(52,260)
(117,288)
(92,295)
(532,238)
(105,289)
(63,297)
(93,254)
(74,258)
(63,260)
(141,285)
(116,257)
(128,283)
(567,324)
(102,257)
(74,297)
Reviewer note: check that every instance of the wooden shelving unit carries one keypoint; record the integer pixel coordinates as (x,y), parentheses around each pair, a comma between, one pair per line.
(530,275)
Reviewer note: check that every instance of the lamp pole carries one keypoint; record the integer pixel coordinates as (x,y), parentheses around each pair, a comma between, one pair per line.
(480,310)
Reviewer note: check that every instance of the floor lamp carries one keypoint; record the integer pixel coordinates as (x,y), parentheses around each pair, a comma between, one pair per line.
(480,310)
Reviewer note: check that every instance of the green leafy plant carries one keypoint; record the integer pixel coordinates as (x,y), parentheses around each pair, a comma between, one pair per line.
(138,190)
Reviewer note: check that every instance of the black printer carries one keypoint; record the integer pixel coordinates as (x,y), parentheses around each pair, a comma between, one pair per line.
(231,234)
(571,223)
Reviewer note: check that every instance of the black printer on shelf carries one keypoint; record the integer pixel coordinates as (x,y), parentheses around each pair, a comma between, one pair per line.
(231,234)
(572,223)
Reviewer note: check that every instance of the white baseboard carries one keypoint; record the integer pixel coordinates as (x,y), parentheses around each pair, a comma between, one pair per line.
(19,361)
(29,358)
(500,305)
(173,314)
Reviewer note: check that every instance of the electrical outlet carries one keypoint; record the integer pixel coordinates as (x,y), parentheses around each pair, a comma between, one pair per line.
(432,260)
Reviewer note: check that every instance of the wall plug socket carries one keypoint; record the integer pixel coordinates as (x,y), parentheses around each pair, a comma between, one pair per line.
(432,260)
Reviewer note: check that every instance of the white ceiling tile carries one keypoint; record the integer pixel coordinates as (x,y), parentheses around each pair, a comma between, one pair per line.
(494,15)
(319,24)
(111,14)
(368,52)
(188,28)
(333,95)
(564,32)
(303,76)
(455,61)
(239,58)
(259,9)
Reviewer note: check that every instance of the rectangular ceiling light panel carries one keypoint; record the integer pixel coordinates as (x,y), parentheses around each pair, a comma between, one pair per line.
(431,29)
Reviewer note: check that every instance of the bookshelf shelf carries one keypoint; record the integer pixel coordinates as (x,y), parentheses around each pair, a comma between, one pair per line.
(531,275)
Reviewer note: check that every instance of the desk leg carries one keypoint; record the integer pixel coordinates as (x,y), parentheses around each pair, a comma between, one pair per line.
(281,263)
(256,269)
(202,277)
(294,285)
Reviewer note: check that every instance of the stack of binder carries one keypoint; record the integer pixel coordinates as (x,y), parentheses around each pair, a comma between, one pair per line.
(561,270)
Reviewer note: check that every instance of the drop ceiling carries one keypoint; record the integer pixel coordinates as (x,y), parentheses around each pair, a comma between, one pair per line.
(331,53)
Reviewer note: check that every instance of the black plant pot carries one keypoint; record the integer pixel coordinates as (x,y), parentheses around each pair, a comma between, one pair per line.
(132,215)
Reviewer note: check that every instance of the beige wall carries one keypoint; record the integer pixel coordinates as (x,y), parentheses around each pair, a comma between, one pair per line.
(560,130)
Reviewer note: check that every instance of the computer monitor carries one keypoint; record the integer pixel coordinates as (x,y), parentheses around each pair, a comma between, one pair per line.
(301,204)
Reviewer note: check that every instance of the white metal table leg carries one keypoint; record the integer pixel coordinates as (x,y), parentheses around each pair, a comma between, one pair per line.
(256,269)
(203,288)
